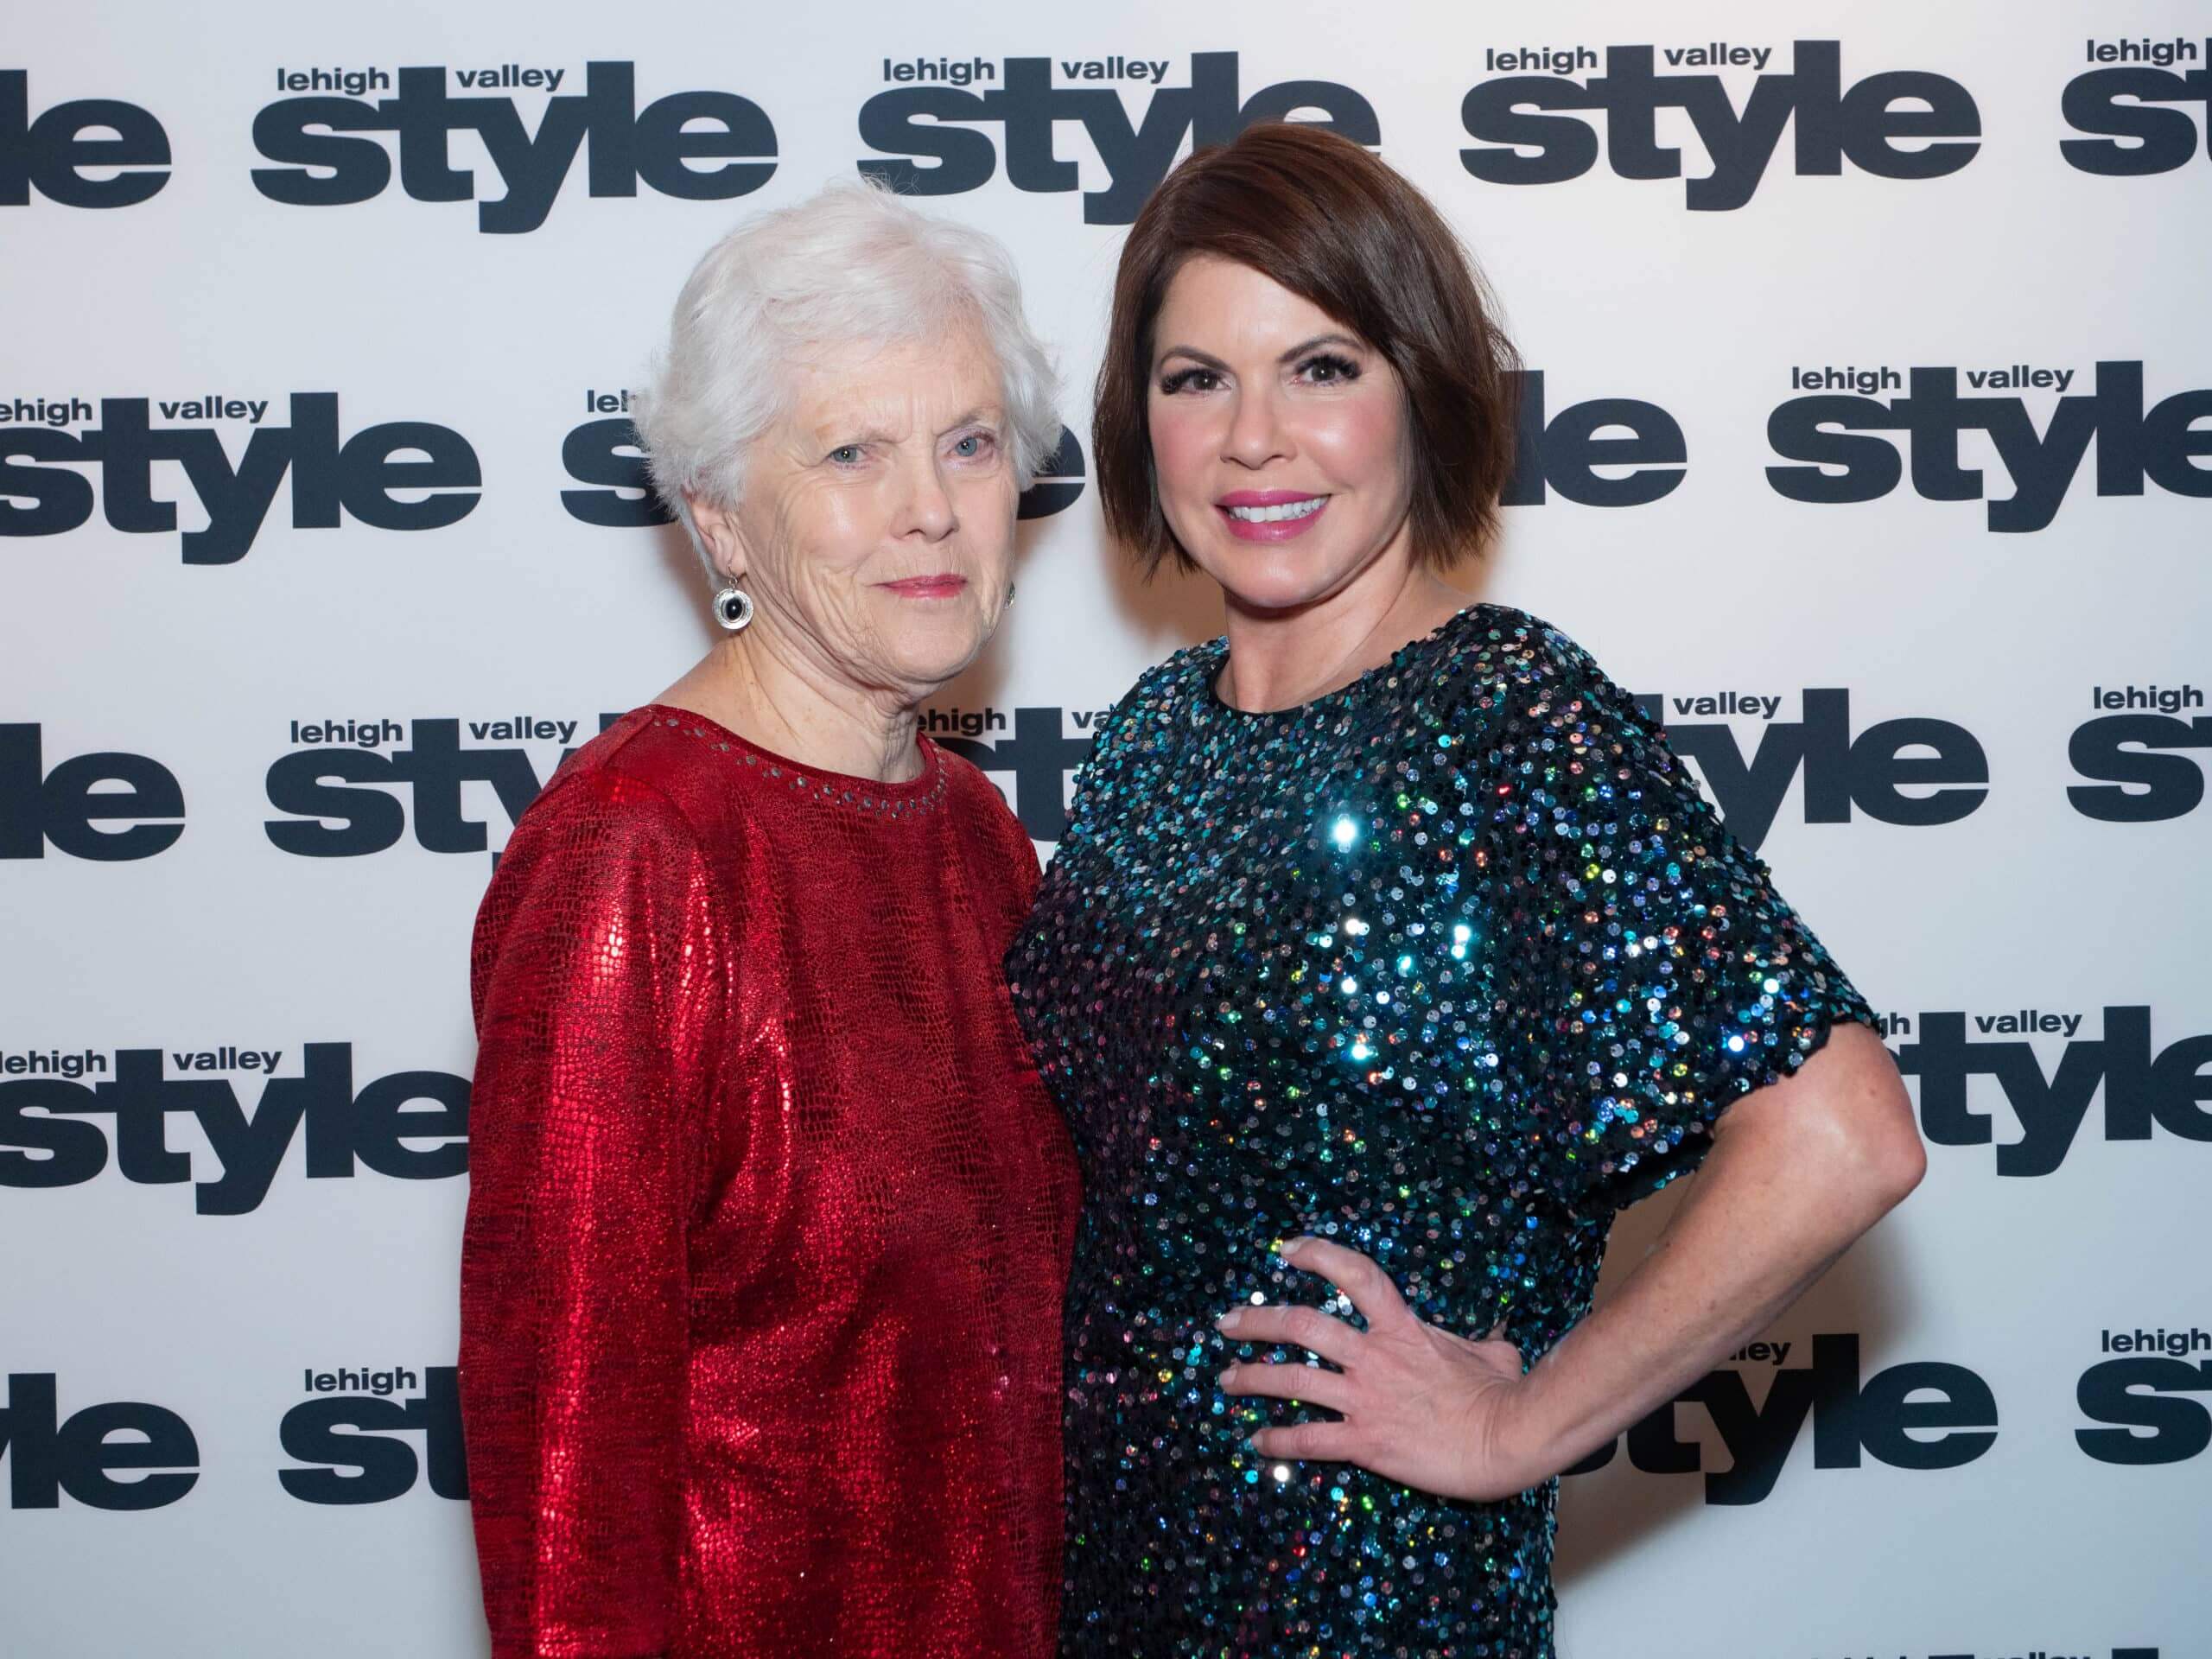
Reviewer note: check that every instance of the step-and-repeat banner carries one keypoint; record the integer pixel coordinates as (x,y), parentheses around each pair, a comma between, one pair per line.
(1866,431)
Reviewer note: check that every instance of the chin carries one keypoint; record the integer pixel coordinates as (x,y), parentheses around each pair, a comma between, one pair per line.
(926,661)
(1272,581)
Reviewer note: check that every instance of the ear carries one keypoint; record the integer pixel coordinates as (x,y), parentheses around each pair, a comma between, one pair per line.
(718,529)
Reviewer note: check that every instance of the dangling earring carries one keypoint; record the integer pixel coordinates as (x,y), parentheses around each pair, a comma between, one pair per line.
(733,606)
(1009,592)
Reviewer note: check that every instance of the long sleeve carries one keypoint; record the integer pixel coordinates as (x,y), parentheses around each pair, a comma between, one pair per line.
(600,973)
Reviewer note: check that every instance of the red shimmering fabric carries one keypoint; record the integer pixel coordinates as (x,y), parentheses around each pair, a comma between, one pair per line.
(768,1220)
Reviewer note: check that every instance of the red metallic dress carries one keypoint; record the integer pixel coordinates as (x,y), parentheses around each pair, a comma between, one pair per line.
(769,1216)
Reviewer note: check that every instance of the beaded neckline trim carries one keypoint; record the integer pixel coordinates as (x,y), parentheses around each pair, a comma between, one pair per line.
(893,801)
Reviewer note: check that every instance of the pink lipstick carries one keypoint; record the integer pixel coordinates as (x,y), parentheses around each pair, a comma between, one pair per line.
(944,585)
(1270,515)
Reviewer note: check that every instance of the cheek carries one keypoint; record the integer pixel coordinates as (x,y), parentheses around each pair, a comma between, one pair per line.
(829,531)
(1182,447)
(986,508)
(1363,443)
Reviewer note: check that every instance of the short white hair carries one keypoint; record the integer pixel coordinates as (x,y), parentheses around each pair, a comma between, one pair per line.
(852,262)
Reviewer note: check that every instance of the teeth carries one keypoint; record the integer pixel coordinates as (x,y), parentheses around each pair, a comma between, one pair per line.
(1275,515)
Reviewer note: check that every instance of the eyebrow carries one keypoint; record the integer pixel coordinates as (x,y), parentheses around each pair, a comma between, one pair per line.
(980,415)
(1299,350)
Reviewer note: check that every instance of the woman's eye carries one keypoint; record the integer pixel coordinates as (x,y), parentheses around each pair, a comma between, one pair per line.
(1190,380)
(1329,370)
(845,455)
(974,444)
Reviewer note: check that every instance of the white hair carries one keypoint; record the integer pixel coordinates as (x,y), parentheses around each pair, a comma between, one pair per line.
(852,262)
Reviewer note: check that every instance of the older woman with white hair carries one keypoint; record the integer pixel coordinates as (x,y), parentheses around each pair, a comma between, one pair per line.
(769,1216)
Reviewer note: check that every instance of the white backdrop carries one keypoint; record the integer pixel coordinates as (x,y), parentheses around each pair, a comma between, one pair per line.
(1957,675)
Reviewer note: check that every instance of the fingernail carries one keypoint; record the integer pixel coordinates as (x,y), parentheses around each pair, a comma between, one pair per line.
(1227,1321)
(1287,1248)
(1221,1377)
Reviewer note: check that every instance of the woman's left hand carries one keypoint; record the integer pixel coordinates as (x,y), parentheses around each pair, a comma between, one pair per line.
(1420,1405)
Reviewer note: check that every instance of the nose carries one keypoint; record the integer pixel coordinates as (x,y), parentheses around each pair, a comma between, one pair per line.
(1256,435)
(925,508)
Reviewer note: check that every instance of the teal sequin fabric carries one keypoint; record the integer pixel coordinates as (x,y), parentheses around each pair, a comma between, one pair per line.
(1447,966)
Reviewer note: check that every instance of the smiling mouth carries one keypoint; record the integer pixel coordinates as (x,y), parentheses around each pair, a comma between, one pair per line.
(1278,512)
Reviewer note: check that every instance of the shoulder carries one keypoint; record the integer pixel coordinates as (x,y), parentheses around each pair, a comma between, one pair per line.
(606,848)
(1517,668)
(632,789)
(984,836)
(1557,747)
(1513,645)
(979,808)
(1540,723)
(1149,713)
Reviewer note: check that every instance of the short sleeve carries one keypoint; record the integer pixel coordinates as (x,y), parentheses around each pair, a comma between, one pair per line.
(599,971)
(1647,974)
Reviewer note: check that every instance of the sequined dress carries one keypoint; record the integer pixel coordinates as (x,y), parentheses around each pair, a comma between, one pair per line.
(769,1216)
(1448,966)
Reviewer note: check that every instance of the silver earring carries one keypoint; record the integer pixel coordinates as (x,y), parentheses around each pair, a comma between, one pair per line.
(1009,592)
(733,606)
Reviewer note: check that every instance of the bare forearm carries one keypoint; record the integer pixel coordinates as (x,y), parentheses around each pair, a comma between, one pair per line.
(1799,1171)
(1681,1310)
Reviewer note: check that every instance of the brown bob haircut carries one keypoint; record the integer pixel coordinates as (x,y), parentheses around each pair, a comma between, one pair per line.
(1334,225)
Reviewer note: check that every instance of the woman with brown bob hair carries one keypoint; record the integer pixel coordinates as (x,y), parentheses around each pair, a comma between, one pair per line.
(1388,954)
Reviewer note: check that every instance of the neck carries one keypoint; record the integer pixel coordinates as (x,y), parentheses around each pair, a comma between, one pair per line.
(1279,658)
(772,692)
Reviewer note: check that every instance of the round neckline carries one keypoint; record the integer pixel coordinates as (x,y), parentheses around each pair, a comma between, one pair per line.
(1217,659)
(803,775)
